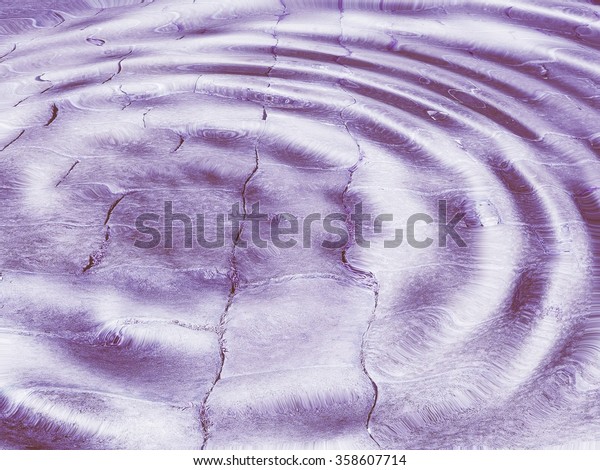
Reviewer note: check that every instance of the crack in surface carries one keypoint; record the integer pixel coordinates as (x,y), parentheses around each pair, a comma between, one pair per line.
(283,14)
(234,274)
(181,142)
(54,107)
(294,277)
(67,173)
(53,116)
(21,101)
(127,96)
(40,79)
(144,117)
(119,67)
(14,48)
(97,256)
(112,208)
(247,182)
(13,141)
(369,280)
(235,284)
(367,277)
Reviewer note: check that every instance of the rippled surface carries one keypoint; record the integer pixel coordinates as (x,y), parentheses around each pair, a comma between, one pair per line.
(111,107)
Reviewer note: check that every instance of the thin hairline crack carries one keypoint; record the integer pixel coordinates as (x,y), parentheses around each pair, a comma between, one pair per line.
(369,279)
(234,274)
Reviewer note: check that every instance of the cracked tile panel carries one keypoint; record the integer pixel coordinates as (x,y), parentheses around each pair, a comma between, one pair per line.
(129,126)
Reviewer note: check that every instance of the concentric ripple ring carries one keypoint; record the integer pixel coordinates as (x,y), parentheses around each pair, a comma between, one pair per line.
(485,109)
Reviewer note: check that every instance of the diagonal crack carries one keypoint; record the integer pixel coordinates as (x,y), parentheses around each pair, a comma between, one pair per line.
(119,67)
(112,208)
(179,144)
(13,141)
(67,173)
(21,101)
(53,116)
(97,256)
(14,48)
(37,79)
(62,19)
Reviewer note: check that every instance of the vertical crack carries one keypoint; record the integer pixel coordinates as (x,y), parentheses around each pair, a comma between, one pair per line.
(234,273)
(144,117)
(367,277)
(97,256)
(129,100)
(234,279)
(363,357)
(247,182)
(276,38)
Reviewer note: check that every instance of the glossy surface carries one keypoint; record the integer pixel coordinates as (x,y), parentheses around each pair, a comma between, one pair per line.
(111,108)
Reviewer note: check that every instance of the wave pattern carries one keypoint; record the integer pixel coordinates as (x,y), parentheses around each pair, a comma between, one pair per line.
(111,107)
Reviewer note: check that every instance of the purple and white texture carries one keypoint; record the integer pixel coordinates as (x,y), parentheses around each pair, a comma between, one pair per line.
(111,107)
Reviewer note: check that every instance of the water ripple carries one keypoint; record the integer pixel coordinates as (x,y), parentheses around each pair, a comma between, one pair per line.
(112,107)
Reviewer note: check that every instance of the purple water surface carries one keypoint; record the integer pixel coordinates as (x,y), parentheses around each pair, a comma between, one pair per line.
(112,107)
